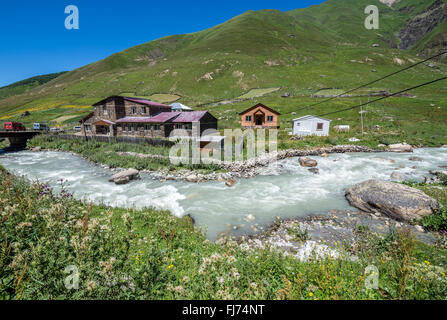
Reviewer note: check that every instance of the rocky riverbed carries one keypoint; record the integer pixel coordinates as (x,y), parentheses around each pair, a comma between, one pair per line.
(325,235)
(234,170)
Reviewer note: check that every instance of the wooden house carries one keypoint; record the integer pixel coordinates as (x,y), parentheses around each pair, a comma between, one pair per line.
(260,116)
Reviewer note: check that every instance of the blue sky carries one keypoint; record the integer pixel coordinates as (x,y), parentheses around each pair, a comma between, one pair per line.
(34,39)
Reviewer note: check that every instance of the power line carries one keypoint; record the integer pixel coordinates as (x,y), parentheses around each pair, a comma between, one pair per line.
(382,98)
(375,81)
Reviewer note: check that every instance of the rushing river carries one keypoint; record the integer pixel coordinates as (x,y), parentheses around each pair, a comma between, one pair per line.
(288,191)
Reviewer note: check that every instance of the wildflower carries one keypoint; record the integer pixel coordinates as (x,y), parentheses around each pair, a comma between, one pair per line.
(311,294)
(91,285)
(221,280)
(427,262)
(253,285)
(179,289)
(186,279)
(171,266)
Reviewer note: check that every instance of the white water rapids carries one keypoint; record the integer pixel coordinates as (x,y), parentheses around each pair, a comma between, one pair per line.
(291,192)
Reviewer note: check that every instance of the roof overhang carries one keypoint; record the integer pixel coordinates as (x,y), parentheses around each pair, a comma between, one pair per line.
(103,123)
(260,105)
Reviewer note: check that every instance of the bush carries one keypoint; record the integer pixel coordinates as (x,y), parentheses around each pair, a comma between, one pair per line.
(437,221)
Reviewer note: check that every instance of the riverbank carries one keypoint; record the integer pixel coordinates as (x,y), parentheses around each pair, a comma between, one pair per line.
(150,254)
(156,163)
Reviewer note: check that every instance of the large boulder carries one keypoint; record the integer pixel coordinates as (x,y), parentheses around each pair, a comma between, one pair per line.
(400,147)
(125,176)
(395,200)
(307,162)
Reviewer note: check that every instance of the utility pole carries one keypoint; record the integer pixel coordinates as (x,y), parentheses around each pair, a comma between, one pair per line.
(361,117)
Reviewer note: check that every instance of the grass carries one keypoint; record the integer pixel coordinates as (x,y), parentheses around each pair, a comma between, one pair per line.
(26,85)
(164,98)
(148,254)
(255,93)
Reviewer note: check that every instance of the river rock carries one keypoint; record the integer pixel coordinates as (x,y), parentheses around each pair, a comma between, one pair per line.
(125,176)
(314,170)
(192,178)
(36,149)
(307,162)
(400,147)
(230,182)
(415,159)
(324,155)
(395,200)
(250,217)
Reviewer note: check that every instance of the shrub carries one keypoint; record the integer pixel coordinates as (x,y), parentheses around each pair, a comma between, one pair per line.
(436,221)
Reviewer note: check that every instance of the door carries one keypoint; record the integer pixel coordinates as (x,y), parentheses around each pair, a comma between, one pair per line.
(259,119)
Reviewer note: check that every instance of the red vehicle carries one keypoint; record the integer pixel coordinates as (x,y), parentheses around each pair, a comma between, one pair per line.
(14,126)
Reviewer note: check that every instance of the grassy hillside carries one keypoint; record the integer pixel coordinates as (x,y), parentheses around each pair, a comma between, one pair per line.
(300,52)
(27,84)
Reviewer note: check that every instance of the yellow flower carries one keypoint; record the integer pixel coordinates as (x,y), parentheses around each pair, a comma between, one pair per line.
(311,294)
(171,266)
(427,262)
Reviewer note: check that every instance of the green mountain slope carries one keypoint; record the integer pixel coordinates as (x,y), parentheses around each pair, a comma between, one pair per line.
(301,52)
(27,84)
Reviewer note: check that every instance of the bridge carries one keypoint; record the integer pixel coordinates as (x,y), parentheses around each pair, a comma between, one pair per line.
(18,138)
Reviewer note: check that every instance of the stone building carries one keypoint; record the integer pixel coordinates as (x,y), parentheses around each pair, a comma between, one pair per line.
(127,116)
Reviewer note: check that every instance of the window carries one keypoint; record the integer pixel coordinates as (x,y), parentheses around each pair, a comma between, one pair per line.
(247,118)
(147,127)
(188,126)
(88,128)
(156,127)
(133,110)
(143,110)
(320,126)
(104,110)
(269,118)
(178,126)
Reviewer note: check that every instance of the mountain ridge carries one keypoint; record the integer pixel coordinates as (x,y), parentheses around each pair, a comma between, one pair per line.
(258,49)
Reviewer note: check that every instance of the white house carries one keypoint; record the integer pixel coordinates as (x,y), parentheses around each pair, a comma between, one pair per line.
(180,107)
(311,125)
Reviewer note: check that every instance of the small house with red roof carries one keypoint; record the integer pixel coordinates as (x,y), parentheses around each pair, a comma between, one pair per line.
(129,116)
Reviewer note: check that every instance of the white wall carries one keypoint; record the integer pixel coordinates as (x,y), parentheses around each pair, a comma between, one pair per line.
(308,127)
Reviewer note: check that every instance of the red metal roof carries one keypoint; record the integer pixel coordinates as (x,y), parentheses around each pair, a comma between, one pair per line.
(159,118)
(190,116)
(147,102)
